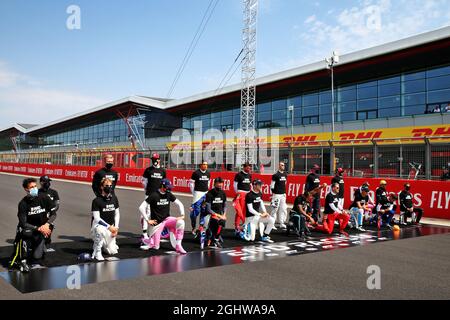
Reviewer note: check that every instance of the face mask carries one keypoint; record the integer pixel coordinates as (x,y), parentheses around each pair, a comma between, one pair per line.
(107,189)
(407,188)
(46,185)
(109,166)
(34,192)
(218,188)
(317,171)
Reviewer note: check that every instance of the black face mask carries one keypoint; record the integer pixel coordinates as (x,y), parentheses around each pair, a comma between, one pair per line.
(218,188)
(107,189)
(109,166)
(46,185)
(317,171)
(407,188)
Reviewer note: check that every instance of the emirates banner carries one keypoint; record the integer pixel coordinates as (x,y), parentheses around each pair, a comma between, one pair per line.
(432,196)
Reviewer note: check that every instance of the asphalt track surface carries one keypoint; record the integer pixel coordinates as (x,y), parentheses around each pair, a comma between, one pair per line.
(415,268)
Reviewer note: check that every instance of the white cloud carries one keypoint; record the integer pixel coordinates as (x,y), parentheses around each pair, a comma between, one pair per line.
(24,99)
(367,24)
(310,19)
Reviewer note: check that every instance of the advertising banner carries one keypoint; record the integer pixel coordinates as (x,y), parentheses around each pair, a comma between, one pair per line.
(432,196)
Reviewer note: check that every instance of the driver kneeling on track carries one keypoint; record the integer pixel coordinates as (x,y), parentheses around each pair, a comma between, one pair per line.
(35,225)
(156,210)
(105,221)
(256,215)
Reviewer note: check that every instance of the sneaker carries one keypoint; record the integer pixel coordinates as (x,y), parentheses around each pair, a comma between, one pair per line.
(179,249)
(266,239)
(283,226)
(24,267)
(238,233)
(98,256)
(350,225)
(145,247)
(343,233)
(389,227)
(217,243)
(361,229)
(147,241)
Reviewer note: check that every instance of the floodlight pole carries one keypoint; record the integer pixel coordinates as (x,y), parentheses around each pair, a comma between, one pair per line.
(331,62)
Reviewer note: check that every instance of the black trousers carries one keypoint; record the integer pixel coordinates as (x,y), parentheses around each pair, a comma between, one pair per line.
(215,227)
(33,245)
(315,205)
(417,211)
(299,222)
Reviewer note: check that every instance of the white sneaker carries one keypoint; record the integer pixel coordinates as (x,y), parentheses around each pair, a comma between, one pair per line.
(283,226)
(361,229)
(98,256)
(266,239)
(145,247)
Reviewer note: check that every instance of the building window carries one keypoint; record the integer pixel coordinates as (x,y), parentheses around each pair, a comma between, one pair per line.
(367,92)
(310,120)
(414,86)
(439,96)
(366,115)
(310,99)
(389,90)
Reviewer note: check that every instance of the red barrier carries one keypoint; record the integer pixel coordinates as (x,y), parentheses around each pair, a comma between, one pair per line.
(432,196)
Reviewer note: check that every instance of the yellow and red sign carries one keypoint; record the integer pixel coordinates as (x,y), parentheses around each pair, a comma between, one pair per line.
(404,135)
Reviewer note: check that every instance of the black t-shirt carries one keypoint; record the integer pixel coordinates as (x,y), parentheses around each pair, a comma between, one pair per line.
(406,201)
(243,180)
(53,195)
(280,179)
(339,180)
(98,177)
(154,177)
(255,200)
(107,207)
(201,180)
(302,202)
(33,211)
(217,199)
(358,197)
(381,196)
(312,181)
(160,205)
(331,199)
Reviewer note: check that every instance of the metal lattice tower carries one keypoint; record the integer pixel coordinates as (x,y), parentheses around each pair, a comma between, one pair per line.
(137,127)
(248,90)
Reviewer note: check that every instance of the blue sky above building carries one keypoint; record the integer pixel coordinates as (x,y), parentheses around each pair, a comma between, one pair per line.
(135,47)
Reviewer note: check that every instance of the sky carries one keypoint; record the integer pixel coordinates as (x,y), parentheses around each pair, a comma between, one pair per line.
(123,48)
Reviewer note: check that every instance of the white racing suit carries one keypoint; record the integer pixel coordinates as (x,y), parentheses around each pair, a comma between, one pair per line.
(279,208)
(265,225)
(103,239)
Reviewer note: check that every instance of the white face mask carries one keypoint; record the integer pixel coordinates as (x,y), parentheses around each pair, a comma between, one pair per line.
(34,192)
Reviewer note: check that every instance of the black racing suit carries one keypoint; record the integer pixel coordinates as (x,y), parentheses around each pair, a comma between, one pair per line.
(53,196)
(33,212)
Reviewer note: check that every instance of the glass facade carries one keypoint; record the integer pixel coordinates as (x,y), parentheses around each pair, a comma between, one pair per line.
(102,132)
(412,93)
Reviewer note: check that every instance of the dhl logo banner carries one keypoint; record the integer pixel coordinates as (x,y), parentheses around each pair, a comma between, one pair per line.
(404,135)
